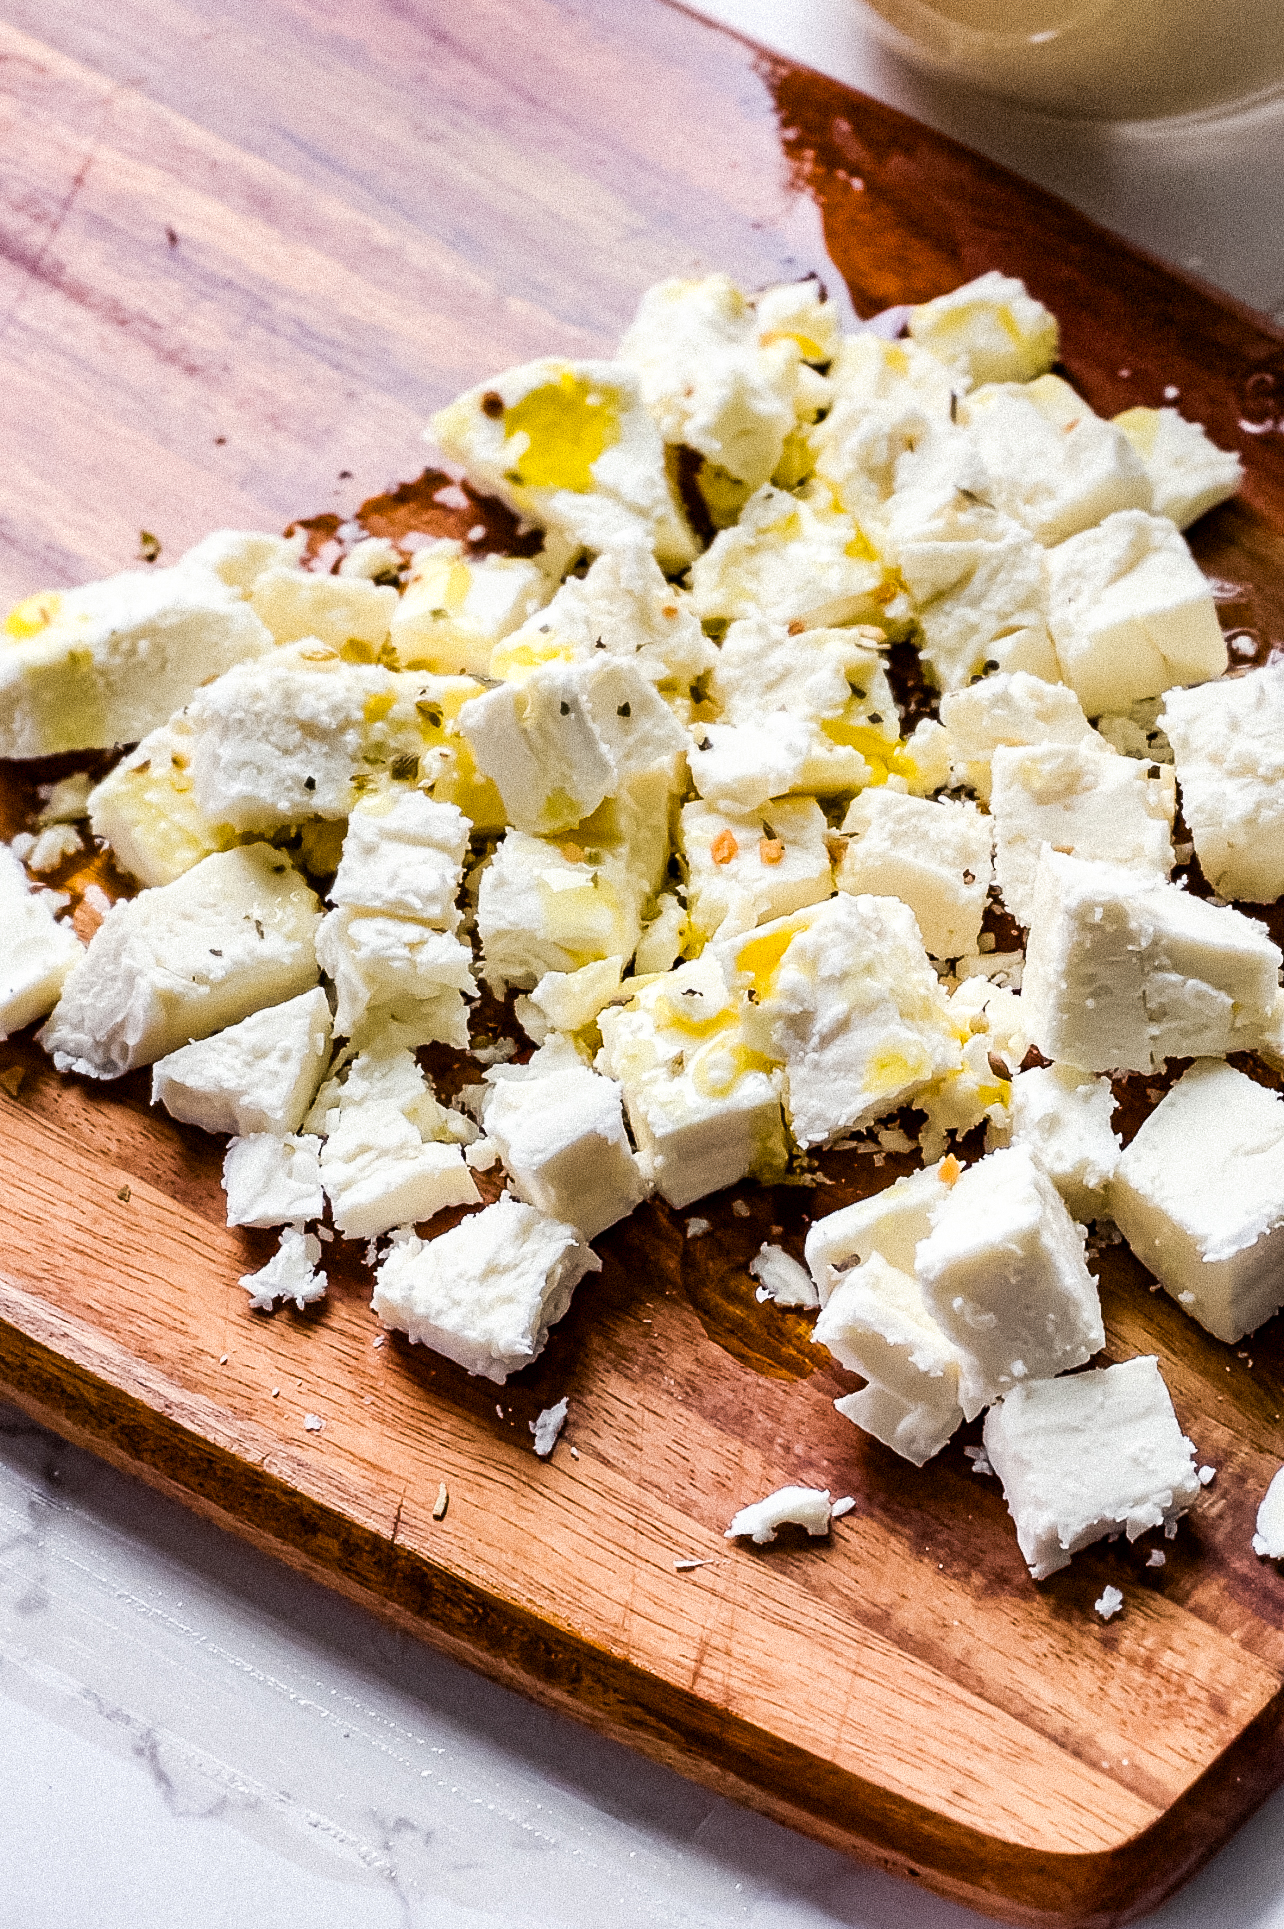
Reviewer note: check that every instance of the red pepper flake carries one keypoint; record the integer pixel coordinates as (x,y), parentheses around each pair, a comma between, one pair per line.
(492,404)
(572,853)
(724,847)
(770,850)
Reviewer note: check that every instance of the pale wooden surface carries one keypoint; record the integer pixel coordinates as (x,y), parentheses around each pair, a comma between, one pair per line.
(367,217)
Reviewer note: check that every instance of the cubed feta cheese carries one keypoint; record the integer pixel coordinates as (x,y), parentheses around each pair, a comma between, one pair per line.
(273,1180)
(291,1273)
(887,396)
(1131,613)
(989,330)
(566,738)
(845,997)
(258,1076)
(747,866)
(562,1140)
(87,668)
(1083,800)
(890,1224)
(807,1507)
(1228,742)
(145,808)
(571,447)
(240,556)
(379,1171)
(935,857)
(1199,1196)
(184,960)
(1188,473)
(800,310)
(403,856)
(876,1323)
(1268,1541)
(1046,459)
(375,559)
(1012,708)
(568,1001)
(1123,971)
(791,559)
(1089,1456)
(1003,1272)
(36,952)
(344,613)
(1061,1117)
(486,1293)
(457,607)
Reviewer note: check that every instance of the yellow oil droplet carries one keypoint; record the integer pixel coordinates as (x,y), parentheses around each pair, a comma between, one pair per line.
(567,424)
(886,757)
(860,548)
(513,663)
(33,614)
(1141,426)
(811,351)
(358,650)
(891,1070)
(761,957)
(671,1012)
(719,1068)
(378,704)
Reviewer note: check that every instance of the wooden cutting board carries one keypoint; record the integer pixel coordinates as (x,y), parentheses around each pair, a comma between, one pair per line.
(239,265)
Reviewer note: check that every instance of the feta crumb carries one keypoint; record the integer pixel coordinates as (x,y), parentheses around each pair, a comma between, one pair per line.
(37,955)
(980,1460)
(258,1076)
(696,1228)
(313,1422)
(1110,1602)
(841,1507)
(807,1507)
(1226,740)
(291,1273)
(53,847)
(1156,1558)
(783,1279)
(547,1427)
(1268,1541)
(1207,1475)
(560,1132)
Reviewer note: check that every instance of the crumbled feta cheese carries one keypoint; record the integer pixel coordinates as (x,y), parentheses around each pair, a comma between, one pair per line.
(1062,1119)
(794,1506)
(1123,971)
(548,1426)
(53,847)
(697,1228)
(291,1273)
(272,1181)
(1188,473)
(67,801)
(313,1422)
(486,1293)
(568,1001)
(345,613)
(1083,801)
(257,1076)
(747,866)
(989,330)
(571,447)
(890,1224)
(1003,1273)
(374,558)
(1109,1602)
(566,738)
(1013,708)
(844,996)
(781,1278)
(1087,1456)
(36,953)
(876,1323)
(560,1132)
(83,669)
(800,310)
(887,396)
(935,857)
(791,559)
(146,810)
(1199,1196)
(1131,613)
(184,960)
(239,557)
(392,1156)
(456,608)
(1228,742)
(1268,1541)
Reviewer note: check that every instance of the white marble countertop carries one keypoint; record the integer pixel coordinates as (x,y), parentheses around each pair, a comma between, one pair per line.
(190,1732)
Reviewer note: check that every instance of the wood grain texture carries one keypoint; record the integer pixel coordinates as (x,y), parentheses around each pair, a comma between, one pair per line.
(367,212)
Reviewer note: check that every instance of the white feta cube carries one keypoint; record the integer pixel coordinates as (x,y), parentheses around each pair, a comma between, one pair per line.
(747,866)
(379,1172)
(1188,473)
(877,1323)
(1123,971)
(562,1140)
(1082,800)
(791,559)
(1199,1196)
(1011,708)
(346,613)
(145,808)
(1061,1117)
(844,996)
(1003,1272)
(807,1507)
(564,740)
(36,952)
(572,448)
(291,1273)
(989,330)
(1268,1541)
(1228,743)
(890,1224)
(887,397)
(87,668)
(1131,613)
(568,1001)
(273,1180)
(403,857)
(1042,456)
(1089,1456)
(457,607)
(934,857)
(800,310)
(376,960)
(486,1293)
(177,963)
(240,556)
(258,1076)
